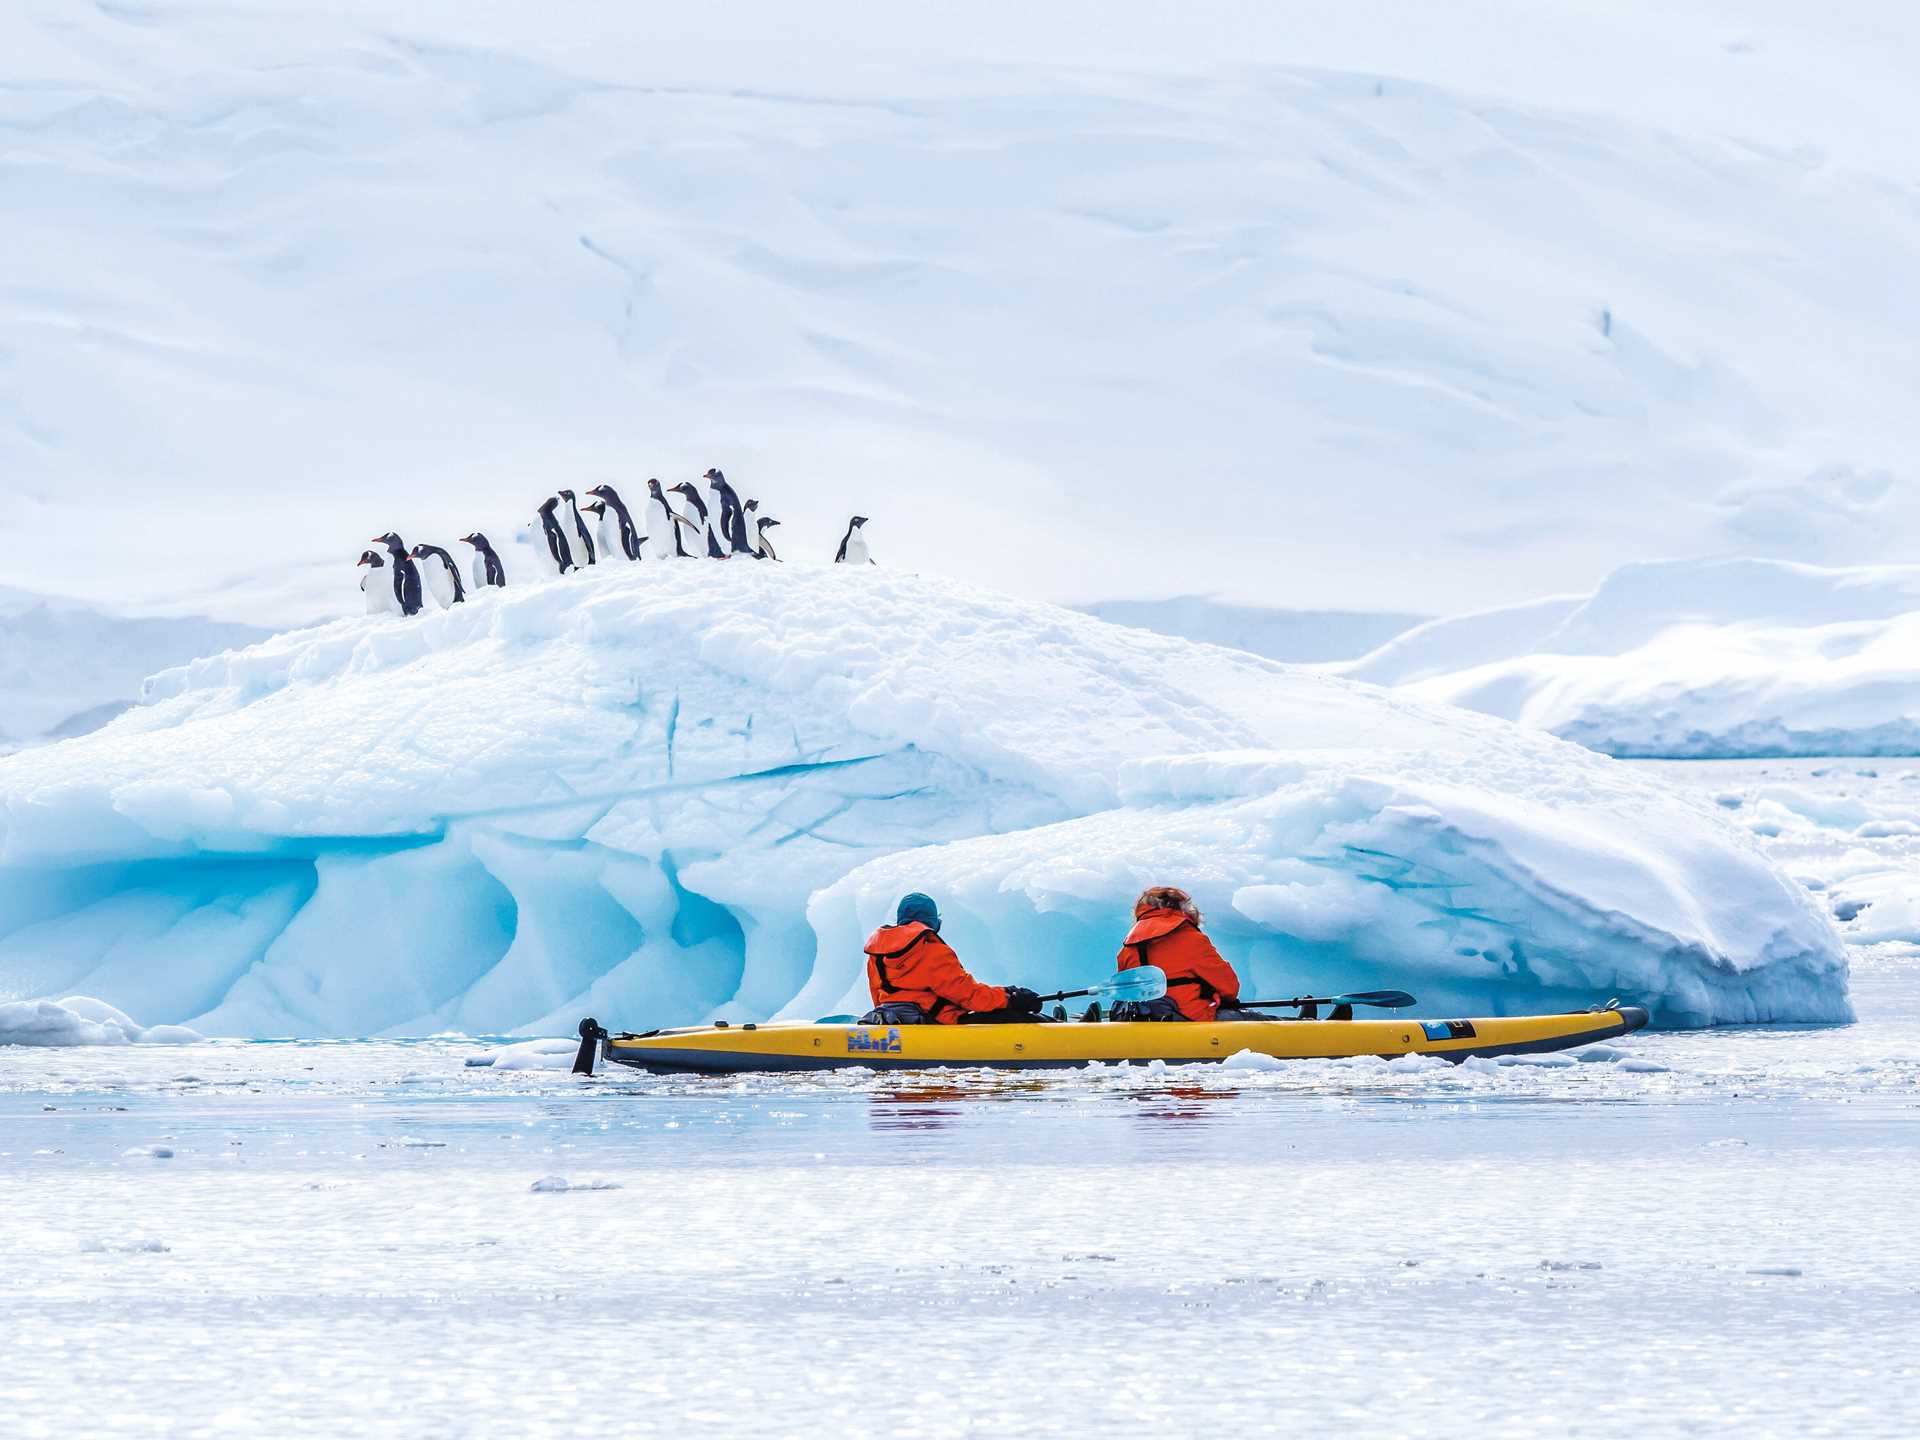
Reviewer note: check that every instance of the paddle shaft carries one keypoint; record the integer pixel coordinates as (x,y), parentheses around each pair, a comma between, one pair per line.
(1382,999)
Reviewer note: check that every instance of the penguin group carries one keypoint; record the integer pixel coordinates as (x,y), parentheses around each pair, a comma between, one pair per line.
(568,535)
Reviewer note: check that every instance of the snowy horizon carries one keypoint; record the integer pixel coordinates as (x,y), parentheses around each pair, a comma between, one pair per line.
(1346,307)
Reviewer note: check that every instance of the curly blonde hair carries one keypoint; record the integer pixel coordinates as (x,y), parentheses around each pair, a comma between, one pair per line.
(1166,897)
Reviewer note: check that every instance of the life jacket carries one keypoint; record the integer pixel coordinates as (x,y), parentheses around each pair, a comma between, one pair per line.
(910,962)
(1198,979)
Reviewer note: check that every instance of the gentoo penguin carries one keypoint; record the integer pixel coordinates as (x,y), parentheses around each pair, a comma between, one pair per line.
(692,492)
(765,552)
(664,524)
(606,529)
(853,544)
(376,586)
(549,540)
(579,525)
(733,520)
(442,575)
(631,540)
(406,575)
(487,569)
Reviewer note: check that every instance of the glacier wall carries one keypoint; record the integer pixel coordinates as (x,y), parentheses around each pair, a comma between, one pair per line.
(665,793)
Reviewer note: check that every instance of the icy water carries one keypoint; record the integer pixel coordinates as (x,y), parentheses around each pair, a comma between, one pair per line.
(1679,1233)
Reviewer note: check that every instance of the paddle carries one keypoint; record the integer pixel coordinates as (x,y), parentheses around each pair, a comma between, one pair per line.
(591,1034)
(1143,982)
(1310,1004)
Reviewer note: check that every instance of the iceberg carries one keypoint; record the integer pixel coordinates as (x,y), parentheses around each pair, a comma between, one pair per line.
(1688,659)
(667,793)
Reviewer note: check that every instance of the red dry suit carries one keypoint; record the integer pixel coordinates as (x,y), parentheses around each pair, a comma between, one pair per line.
(910,962)
(1198,979)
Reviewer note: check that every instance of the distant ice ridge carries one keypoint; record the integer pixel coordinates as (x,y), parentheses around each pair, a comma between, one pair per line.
(67,667)
(1307,636)
(1689,659)
(664,793)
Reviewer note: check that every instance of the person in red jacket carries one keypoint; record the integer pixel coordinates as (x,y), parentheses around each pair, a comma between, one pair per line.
(1166,933)
(915,978)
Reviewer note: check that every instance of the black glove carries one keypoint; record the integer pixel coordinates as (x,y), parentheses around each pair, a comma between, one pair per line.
(1021,1000)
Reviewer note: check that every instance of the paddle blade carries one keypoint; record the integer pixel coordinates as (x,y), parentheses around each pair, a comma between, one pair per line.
(1143,982)
(1379,999)
(590,1037)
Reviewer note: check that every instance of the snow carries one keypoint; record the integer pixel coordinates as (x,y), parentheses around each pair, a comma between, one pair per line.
(1297,304)
(1720,658)
(663,793)
(81,1020)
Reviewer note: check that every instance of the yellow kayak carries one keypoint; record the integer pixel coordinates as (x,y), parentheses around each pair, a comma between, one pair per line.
(1059,1044)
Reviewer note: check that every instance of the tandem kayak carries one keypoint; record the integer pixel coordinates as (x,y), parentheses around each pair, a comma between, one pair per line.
(722,1048)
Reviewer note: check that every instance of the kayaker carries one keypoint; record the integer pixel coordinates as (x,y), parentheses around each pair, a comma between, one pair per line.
(1200,983)
(915,978)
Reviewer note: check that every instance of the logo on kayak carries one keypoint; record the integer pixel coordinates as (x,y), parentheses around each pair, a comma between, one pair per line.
(1448,1029)
(872,1040)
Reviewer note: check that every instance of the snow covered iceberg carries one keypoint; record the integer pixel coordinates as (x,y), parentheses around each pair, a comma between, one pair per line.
(663,793)
(1690,658)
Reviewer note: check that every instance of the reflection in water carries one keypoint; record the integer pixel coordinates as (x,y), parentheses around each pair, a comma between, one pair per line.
(915,1107)
(1182,1102)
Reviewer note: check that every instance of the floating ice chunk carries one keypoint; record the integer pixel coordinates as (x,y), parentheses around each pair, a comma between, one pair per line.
(82,1020)
(558,1184)
(147,1152)
(529,1055)
(1252,1060)
(139,1246)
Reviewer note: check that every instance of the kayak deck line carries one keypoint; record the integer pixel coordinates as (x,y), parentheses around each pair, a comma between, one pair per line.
(729,1049)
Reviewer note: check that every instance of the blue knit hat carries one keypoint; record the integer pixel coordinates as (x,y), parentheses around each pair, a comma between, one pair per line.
(918,907)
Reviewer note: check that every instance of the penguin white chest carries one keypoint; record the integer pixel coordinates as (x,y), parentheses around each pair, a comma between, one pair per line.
(857,549)
(439,580)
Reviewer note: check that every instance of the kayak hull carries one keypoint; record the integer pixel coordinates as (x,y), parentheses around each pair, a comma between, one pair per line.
(733,1049)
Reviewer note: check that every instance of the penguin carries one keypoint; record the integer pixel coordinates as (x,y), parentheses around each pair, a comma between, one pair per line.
(692,492)
(766,552)
(549,540)
(606,529)
(487,569)
(376,587)
(442,575)
(632,542)
(664,524)
(733,520)
(579,526)
(406,575)
(853,544)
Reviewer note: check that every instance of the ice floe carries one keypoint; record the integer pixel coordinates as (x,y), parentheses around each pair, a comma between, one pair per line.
(666,793)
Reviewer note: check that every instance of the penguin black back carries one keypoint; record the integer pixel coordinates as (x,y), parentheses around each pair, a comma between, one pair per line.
(406,574)
(733,520)
(423,551)
(557,545)
(629,536)
(579,525)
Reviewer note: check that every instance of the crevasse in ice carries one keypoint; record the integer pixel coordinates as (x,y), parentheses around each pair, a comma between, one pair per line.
(664,793)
